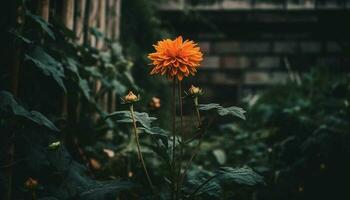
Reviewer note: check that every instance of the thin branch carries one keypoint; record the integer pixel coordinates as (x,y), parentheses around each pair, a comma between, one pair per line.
(138,146)
(195,152)
(174,140)
(182,137)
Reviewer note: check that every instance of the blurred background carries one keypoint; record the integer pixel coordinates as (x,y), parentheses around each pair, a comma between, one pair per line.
(285,62)
(252,44)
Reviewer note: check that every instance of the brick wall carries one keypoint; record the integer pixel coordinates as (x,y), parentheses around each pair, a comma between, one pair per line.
(249,49)
(244,67)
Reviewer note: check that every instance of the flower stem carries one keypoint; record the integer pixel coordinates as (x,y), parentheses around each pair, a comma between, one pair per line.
(195,101)
(182,137)
(138,146)
(195,152)
(34,195)
(174,142)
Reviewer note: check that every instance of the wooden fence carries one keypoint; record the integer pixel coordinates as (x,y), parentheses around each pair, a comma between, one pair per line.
(80,16)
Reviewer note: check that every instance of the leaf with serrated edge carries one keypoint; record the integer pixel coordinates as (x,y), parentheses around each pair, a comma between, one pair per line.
(222,111)
(244,175)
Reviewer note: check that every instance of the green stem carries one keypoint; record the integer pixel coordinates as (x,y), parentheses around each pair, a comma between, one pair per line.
(174,142)
(195,152)
(138,146)
(182,137)
(195,101)
(34,195)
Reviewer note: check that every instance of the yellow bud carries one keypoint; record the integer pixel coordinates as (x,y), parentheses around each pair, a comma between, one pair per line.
(131,97)
(195,90)
(31,184)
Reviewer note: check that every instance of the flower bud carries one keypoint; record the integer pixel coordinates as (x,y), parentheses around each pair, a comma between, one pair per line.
(31,184)
(95,164)
(131,97)
(194,91)
(155,103)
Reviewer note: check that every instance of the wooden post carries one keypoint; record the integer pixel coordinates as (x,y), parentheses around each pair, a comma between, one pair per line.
(101,25)
(43,9)
(68,21)
(115,35)
(79,14)
(68,14)
(110,11)
(79,20)
(86,22)
(109,34)
(93,19)
(117,16)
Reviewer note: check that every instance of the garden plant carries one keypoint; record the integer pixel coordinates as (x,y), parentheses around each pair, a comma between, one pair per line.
(178,59)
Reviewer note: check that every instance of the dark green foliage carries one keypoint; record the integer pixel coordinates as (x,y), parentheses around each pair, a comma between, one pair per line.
(296,135)
(45,26)
(212,185)
(49,58)
(47,64)
(90,155)
(10,108)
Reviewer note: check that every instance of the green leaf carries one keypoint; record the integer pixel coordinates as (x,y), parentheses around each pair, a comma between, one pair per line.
(97,33)
(93,71)
(242,176)
(125,117)
(222,111)
(157,133)
(72,65)
(220,156)
(9,107)
(42,23)
(106,190)
(197,184)
(48,65)
(117,86)
(19,36)
(85,89)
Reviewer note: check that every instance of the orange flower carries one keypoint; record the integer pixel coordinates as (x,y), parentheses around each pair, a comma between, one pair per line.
(176,58)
